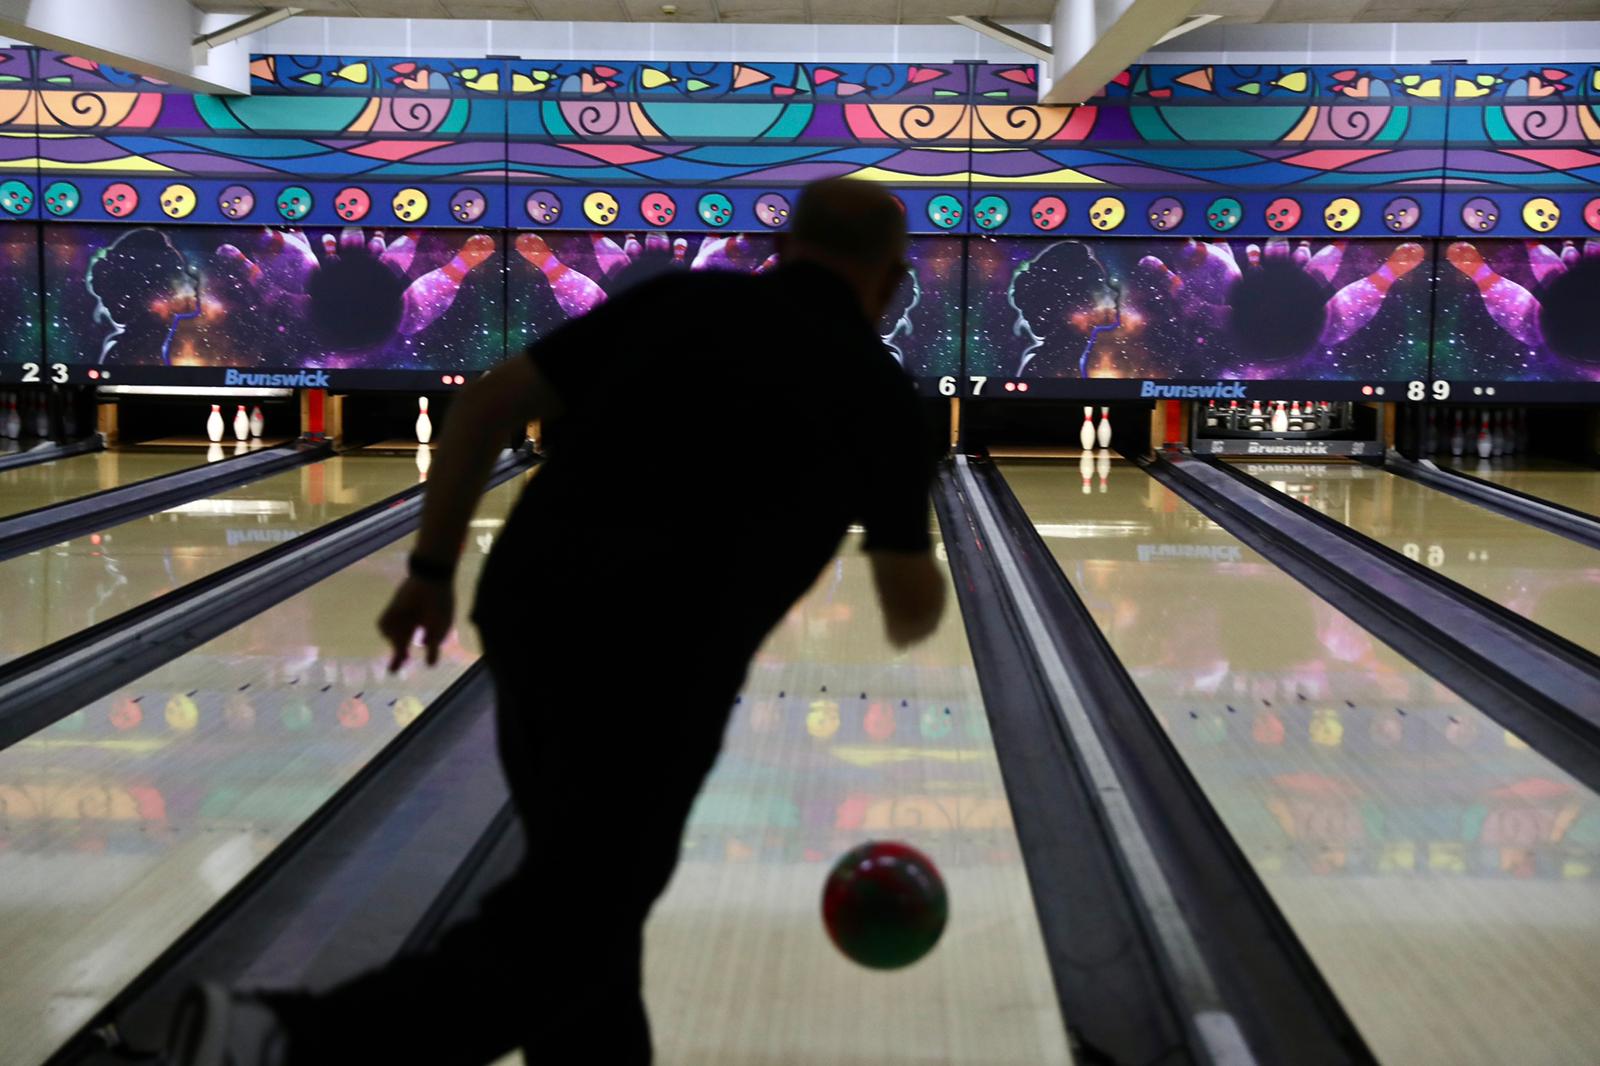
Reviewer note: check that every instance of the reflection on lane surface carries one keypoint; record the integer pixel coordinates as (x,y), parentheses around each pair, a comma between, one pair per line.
(837,740)
(1441,874)
(1567,484)
(56,591)
(121,824)
(44,484)
(1542,576)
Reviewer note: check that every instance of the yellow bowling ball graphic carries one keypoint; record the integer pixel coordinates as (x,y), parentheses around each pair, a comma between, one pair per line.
(600,208)
(1327,731)
(410,204)
(177,200)
(1107,213)
(822,720)
(1541,214)
(1342,214)
(182,713)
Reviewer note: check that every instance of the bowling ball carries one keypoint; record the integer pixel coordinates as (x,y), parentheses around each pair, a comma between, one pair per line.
(1342,214)
(352,204)
(600,208)
(543,206)
(772,209)
(1224,213)
(1480,214)
(715,209)
(991,212)
(468,205)
(884,905)
(1048,212)
(1166,212)
(15,197)
(294,203)
(1107,213)
(658,208)
(61,198)
(178,201)
(1402,213)
(410,205)
(182,713)
(1283,214)
(236,201)
(1541,214)
(944,211)
(1591,212)
(120,199)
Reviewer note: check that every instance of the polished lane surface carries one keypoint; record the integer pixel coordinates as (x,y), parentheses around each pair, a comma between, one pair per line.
(121,824)
(1542,576)
(27,488)
(59,590)
(1567,484)
(1443,877)
(838,739)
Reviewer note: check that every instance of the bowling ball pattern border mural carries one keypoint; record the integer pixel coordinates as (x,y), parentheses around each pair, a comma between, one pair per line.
(1520,311)
(162,304)
(553,277)
(1047,318)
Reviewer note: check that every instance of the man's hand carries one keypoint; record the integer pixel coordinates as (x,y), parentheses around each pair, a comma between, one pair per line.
(911,593)
(426,605)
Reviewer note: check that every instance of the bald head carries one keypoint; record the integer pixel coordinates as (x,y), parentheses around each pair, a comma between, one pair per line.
(849,219)
(855,229)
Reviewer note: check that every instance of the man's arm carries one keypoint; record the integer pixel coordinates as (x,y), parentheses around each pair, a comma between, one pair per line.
(483,415)
(911,592)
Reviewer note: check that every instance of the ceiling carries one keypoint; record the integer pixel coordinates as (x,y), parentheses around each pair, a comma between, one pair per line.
(914,11)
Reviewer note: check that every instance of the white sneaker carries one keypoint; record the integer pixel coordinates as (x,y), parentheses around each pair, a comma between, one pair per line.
(216,1027)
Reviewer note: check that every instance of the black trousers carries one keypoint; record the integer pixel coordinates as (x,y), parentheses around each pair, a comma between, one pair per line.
(603,768)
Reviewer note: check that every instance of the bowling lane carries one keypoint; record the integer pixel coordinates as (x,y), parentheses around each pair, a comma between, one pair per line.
(56,591)
(1567,484)
(1444,877)
(42,484)
(837,740)
(121,824)
(1542,576)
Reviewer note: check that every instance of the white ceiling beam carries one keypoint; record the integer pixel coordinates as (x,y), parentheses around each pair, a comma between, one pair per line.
(1194,22)
(1095,40)
(156,38)
(1004,34)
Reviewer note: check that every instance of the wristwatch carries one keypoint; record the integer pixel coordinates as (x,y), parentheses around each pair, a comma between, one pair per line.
(427,569)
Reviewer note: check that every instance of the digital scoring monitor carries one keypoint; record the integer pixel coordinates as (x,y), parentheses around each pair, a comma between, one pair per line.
(1184,318)
(21,315)
(1518,317)
(554,276)
(326,307)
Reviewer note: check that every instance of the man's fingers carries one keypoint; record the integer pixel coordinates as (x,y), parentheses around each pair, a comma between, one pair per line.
(397,658)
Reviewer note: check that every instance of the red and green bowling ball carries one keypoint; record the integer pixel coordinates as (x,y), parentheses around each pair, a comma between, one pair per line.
(884,905)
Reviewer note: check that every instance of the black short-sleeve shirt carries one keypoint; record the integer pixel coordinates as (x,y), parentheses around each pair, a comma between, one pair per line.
(720,435)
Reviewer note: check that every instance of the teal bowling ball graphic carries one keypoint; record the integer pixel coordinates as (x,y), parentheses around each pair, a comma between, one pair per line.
(61,198)
(1224,214)
(715,209)
(15,197)
(991,212)
(294,203)
(944,211)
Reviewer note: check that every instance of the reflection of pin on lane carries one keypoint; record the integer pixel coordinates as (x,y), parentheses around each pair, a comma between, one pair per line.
(1086,471)
(1102,468)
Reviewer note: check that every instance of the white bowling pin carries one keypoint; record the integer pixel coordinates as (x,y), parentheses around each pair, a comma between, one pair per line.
(1280,418)
(1458,438)
(1485,443)
(1256,416)
(214,423)
(258,422)
(1103,434)
(10,421)
(241,424)
(1086,469)
(41,416)
(424,423)
(1086,435)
